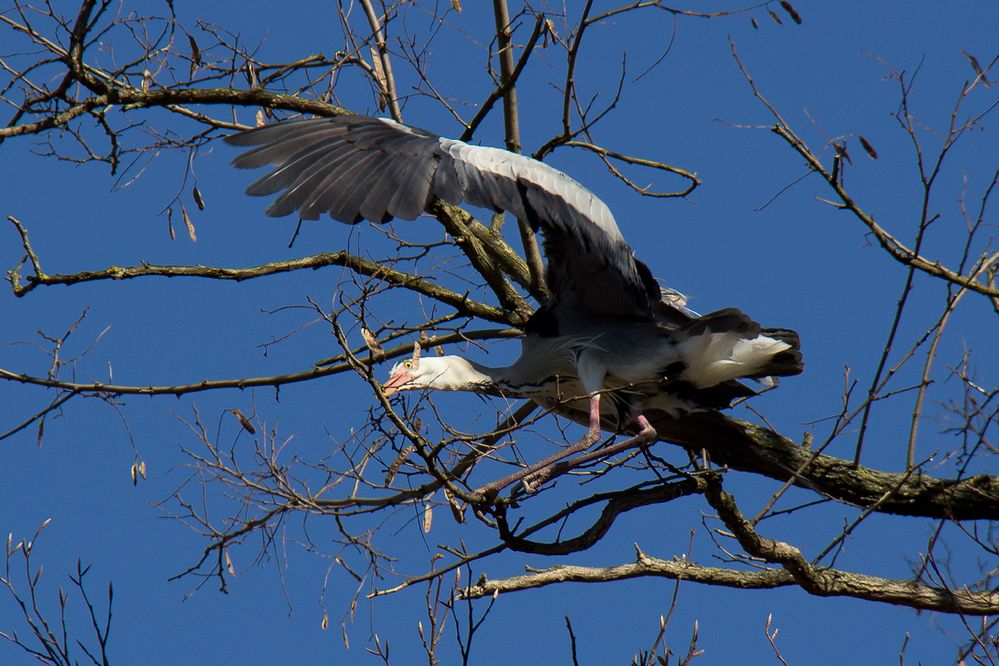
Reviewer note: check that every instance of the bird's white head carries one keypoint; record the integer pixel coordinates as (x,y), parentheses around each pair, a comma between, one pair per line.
(449,373)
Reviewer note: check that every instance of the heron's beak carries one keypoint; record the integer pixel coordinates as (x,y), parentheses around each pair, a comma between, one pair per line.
(397,382)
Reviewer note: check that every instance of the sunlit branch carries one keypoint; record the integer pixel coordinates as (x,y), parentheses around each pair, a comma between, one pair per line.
(644,566)
(453,222)
(640,161)
(507,83)
(752,448)
(134,98)
(461,302)
(385,78)
(326,370)
(511,123)
(828,582)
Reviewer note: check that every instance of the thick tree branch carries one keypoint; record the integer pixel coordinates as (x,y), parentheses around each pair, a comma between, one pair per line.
(752,448)
(511,123)
(645,566)
(617,503)
(386,79)
(453,220)
(826,583)
(461,302)
(506,84)
(241,383)
(833,583)
(134,98)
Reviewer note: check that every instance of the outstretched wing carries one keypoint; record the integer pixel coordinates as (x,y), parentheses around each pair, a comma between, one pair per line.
(356,168)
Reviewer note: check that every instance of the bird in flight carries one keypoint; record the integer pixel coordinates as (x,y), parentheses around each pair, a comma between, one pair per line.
(608,342)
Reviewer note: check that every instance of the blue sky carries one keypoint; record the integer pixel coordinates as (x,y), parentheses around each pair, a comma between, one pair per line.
(796,263)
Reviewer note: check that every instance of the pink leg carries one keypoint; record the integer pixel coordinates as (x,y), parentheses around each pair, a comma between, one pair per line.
(646,435)
(588,440)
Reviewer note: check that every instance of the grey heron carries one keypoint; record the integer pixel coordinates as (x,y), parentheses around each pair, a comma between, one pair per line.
(607,327)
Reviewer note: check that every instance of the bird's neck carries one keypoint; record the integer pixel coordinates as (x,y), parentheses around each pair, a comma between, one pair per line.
(465,375)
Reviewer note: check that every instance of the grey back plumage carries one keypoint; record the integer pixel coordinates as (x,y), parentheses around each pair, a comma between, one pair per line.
(356,168)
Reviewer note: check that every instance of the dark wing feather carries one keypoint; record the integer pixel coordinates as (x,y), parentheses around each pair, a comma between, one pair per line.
(308,194)
(291,170)
(364,170)
(413,188)
(379,197)
(355,168)
(317,194)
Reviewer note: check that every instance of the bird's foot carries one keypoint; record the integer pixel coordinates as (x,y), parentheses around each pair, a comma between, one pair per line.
(645,436)
(528,474)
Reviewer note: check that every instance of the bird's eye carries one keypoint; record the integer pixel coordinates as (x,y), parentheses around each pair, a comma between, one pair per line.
(408,364)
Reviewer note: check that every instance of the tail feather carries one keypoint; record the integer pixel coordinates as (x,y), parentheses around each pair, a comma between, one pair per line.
(787,362)
(727,345)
